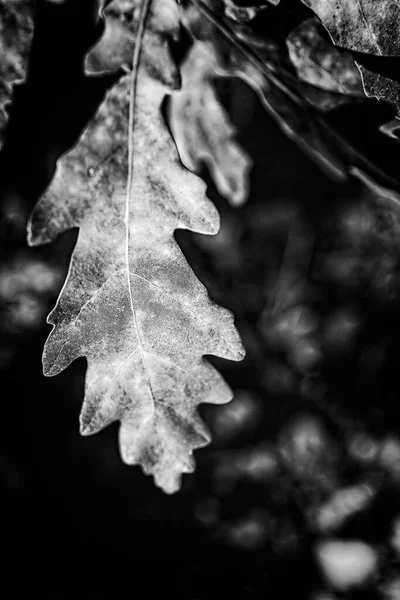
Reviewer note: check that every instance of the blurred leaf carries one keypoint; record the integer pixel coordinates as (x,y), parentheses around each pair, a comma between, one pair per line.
(16,30)
(202,129)
(368,26)
(131,303)
(320,64)
(392,129)
(262,64)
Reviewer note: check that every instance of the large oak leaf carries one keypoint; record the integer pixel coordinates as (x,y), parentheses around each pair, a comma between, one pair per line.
(131,303)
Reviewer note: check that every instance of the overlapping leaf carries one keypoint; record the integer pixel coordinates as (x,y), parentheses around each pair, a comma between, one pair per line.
(202,129)
(368,26)
(260,64)
(320,63)
(131,304)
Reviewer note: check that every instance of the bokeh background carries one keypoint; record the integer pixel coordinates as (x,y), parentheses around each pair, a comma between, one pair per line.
(298,495)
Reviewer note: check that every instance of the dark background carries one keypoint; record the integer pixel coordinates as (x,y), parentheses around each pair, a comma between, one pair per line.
(311,271)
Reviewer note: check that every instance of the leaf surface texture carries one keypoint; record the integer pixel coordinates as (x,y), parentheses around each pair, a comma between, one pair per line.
(131,303)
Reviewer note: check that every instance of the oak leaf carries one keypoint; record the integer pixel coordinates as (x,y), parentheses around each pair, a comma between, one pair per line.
(259,63)
(202,129)
(131,303)
(381,87)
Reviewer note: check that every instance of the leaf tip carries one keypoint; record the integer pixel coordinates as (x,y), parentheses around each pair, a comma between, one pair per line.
(50,366)
(86,426)
(49,370)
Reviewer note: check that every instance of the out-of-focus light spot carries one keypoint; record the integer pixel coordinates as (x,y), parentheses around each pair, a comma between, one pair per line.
(27,273)
(207,511)
(346,564)
(341,505)
(303,444)
(248,533)
(258,464)
(358,222)
(286,330)
(25,312)
(240,415)
(390,590)
(390,456)
(340,330)
(25,286)
(305,355)
(255,464)
(341,267)
(363,448)
(395,539)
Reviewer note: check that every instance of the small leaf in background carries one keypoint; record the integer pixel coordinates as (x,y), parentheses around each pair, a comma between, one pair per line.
(369,26)
(202,129)
(320,64)
(259,63)
(131,303)
(16,30)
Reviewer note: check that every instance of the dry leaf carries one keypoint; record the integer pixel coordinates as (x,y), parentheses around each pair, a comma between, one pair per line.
(370,26)
(131,303)
(202,129)
(380,87)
